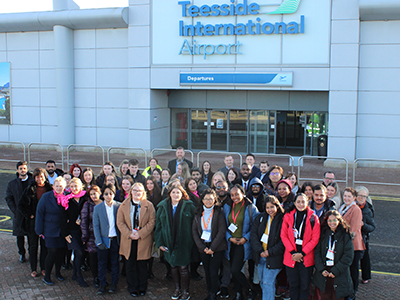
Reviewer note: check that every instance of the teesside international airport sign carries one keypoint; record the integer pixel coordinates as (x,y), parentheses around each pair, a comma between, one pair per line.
(255,25)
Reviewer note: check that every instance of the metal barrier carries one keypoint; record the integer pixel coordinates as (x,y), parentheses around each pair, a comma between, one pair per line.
(301,158)
(368,182)
(170,150)
(219,152)
(14,143)
(47,145)
(127,148)
(86,146)
(291,159)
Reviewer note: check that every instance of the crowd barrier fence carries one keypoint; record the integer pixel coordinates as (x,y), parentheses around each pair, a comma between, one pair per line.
(219,152)
(85,146)
(45,146)
(301,162)
(27,153)
(14,144)
(355,182)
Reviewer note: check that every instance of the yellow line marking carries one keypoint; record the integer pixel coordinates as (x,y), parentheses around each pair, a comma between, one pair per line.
(385,199)
(385,273)
(5,218)
(6,230)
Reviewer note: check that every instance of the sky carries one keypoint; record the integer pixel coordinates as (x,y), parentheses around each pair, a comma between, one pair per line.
(10,6)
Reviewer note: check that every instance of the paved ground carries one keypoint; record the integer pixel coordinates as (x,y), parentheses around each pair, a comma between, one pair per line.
(385,246)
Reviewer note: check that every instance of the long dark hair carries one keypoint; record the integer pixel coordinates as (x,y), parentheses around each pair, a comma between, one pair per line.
(273,200)
(342,222)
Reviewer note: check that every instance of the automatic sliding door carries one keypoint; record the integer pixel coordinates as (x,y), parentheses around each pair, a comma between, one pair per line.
(219,130)
(238,131)
(259,131)
(199,122)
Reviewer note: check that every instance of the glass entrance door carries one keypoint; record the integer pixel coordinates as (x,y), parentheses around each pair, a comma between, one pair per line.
(199,127)
(238,131)
(218,130)
(290,132)
(259,131)
(209,130)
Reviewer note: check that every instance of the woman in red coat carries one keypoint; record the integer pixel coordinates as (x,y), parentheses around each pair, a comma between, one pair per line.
(300,235)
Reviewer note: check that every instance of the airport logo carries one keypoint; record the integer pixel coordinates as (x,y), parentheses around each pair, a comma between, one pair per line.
(287,7)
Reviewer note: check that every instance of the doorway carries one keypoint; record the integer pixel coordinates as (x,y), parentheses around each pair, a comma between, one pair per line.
(209,129)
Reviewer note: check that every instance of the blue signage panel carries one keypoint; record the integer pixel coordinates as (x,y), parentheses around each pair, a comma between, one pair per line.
(266,79)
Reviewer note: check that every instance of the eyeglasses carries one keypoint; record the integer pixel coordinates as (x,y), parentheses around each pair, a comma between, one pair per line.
(329,178)
(363,197)
(255,185)
(221,187)
(274,173)
(137,191)
(108,194)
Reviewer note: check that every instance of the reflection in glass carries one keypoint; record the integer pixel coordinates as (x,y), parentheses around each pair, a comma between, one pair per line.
(238,131)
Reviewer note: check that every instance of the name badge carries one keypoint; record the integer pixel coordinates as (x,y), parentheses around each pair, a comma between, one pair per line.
(330,254)
(232,228)
(206,235)
(295,232)
(329,263)
(299,242)
(264,238)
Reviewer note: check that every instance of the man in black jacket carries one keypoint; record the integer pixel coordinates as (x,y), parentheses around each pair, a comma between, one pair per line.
(256,194)
(14,191)
(180,157)
(320,202)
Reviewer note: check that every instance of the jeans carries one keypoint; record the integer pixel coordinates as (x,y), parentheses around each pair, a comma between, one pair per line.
(267,279)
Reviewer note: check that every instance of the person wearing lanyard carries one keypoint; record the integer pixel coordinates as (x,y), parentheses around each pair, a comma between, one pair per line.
(209,229)
(70,226)
(352,214)
(267,245)
(300,234)
(239,214)
(333,257)
(136,219)
(173,235)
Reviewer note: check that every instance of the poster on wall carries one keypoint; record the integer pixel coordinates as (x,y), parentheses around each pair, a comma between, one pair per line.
(5,93)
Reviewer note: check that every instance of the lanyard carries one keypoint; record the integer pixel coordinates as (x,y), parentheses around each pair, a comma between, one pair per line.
(331,247)
(301,225)
(233,209)
(269,223)
(136,216)
(209,219)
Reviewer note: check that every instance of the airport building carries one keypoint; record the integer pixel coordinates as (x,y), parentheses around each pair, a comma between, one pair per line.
(262,76)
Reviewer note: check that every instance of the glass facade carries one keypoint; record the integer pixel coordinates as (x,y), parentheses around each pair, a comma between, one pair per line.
(256,131)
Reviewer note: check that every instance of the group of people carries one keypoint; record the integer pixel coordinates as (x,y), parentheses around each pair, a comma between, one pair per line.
(297,242)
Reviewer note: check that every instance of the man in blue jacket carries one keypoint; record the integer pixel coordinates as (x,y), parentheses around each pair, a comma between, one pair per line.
(107,238)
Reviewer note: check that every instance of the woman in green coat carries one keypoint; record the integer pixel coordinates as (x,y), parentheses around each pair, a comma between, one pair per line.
(333,257)
(173,235)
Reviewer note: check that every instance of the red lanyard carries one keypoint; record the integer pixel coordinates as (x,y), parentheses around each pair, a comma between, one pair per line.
(233,209)
(209,219)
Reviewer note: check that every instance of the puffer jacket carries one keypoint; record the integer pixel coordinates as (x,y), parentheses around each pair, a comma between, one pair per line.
(275,246)
(344,253)
(87,226)
(310,239)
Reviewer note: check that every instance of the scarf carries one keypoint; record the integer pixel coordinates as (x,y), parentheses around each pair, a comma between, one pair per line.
(343,209)
(63,200)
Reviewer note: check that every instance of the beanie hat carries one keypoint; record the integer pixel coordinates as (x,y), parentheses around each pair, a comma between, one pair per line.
(286,181)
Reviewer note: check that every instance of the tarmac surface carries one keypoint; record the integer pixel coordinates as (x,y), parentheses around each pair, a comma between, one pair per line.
(385,247)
